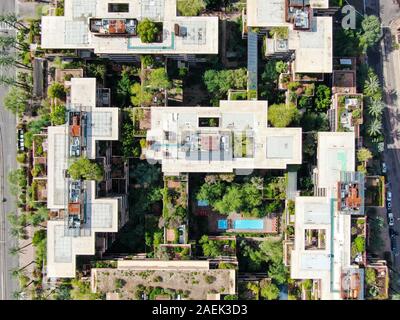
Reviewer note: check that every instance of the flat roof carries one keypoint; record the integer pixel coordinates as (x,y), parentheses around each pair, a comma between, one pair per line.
(241,139)
(335,154)
(102,213)
(313,48)
(189,276)
(71,31)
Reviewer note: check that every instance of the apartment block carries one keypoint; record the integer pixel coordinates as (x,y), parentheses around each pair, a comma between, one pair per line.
(110,27)
(308,42)
(234,136)
(322,244)
(83,215)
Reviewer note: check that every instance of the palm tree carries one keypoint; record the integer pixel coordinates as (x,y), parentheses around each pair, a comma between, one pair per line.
(19,271)
(372,85)
(375,108)
(12,20)
(39,216)
(17,294)
(374,128)
(9,81)
(9,61)
(15,250)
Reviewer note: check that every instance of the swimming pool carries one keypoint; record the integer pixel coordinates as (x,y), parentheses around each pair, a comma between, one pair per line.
(253,224)
(223,224)
(249,224)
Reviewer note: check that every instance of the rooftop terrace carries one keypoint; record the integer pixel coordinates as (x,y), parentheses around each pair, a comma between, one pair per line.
(209,139)
(93,24)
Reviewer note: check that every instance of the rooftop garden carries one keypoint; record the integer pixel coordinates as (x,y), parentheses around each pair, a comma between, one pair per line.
(174,203)
(377,283)
(157,284)
(358,245)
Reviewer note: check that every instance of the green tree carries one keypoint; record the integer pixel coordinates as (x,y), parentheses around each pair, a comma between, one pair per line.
(146,174)
(211,192)
(322,98)
(56,90)
(16,100)
(370,276)
(375,108)
(7,61)
(139,96)
(372,86)
(147,30)
(359,243)
(83,168)
(11,19)
(218,82)
(96,70)
(158,79)
(269,291)
(363,155)
(281,66)
(190,7)
(374,128)
(58,115)
(232,201)
(371,28)
(282,115)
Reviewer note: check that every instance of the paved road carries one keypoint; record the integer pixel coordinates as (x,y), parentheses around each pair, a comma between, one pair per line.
(389,72)
(7,162)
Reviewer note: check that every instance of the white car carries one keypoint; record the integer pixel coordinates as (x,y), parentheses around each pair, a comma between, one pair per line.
(384,168)
(389,196)
(390,219)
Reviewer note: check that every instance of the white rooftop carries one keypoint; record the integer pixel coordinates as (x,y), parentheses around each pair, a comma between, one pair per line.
(71,31)
(102,213)
(241,139)
(336,153)
(313,48)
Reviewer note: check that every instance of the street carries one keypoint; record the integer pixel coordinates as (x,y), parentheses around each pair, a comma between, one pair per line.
(388,70)
(7,163)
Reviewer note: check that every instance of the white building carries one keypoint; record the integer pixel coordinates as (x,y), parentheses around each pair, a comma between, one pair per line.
(110,27)
(81,221)
(234,136)
(309,36)
(322,246)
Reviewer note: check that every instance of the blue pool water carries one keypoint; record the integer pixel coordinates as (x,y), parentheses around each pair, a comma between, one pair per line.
(202,203)
(223,224)
(256,224)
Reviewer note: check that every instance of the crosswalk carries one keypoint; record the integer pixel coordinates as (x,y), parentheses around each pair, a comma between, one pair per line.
(5,26)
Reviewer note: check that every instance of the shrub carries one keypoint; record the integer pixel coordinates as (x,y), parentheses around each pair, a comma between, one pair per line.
(210,279)
(21,157)
(58,115)
(119,283)
(282,115)
(56,90)
(85,169)
(147,30)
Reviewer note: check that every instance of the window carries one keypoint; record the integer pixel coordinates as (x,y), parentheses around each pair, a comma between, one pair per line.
(118,7)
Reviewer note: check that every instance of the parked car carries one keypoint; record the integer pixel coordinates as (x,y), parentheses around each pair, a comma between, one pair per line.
(389,196)
(390,219)
(393,246)
(384,168)
(389,205)
(393,233)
